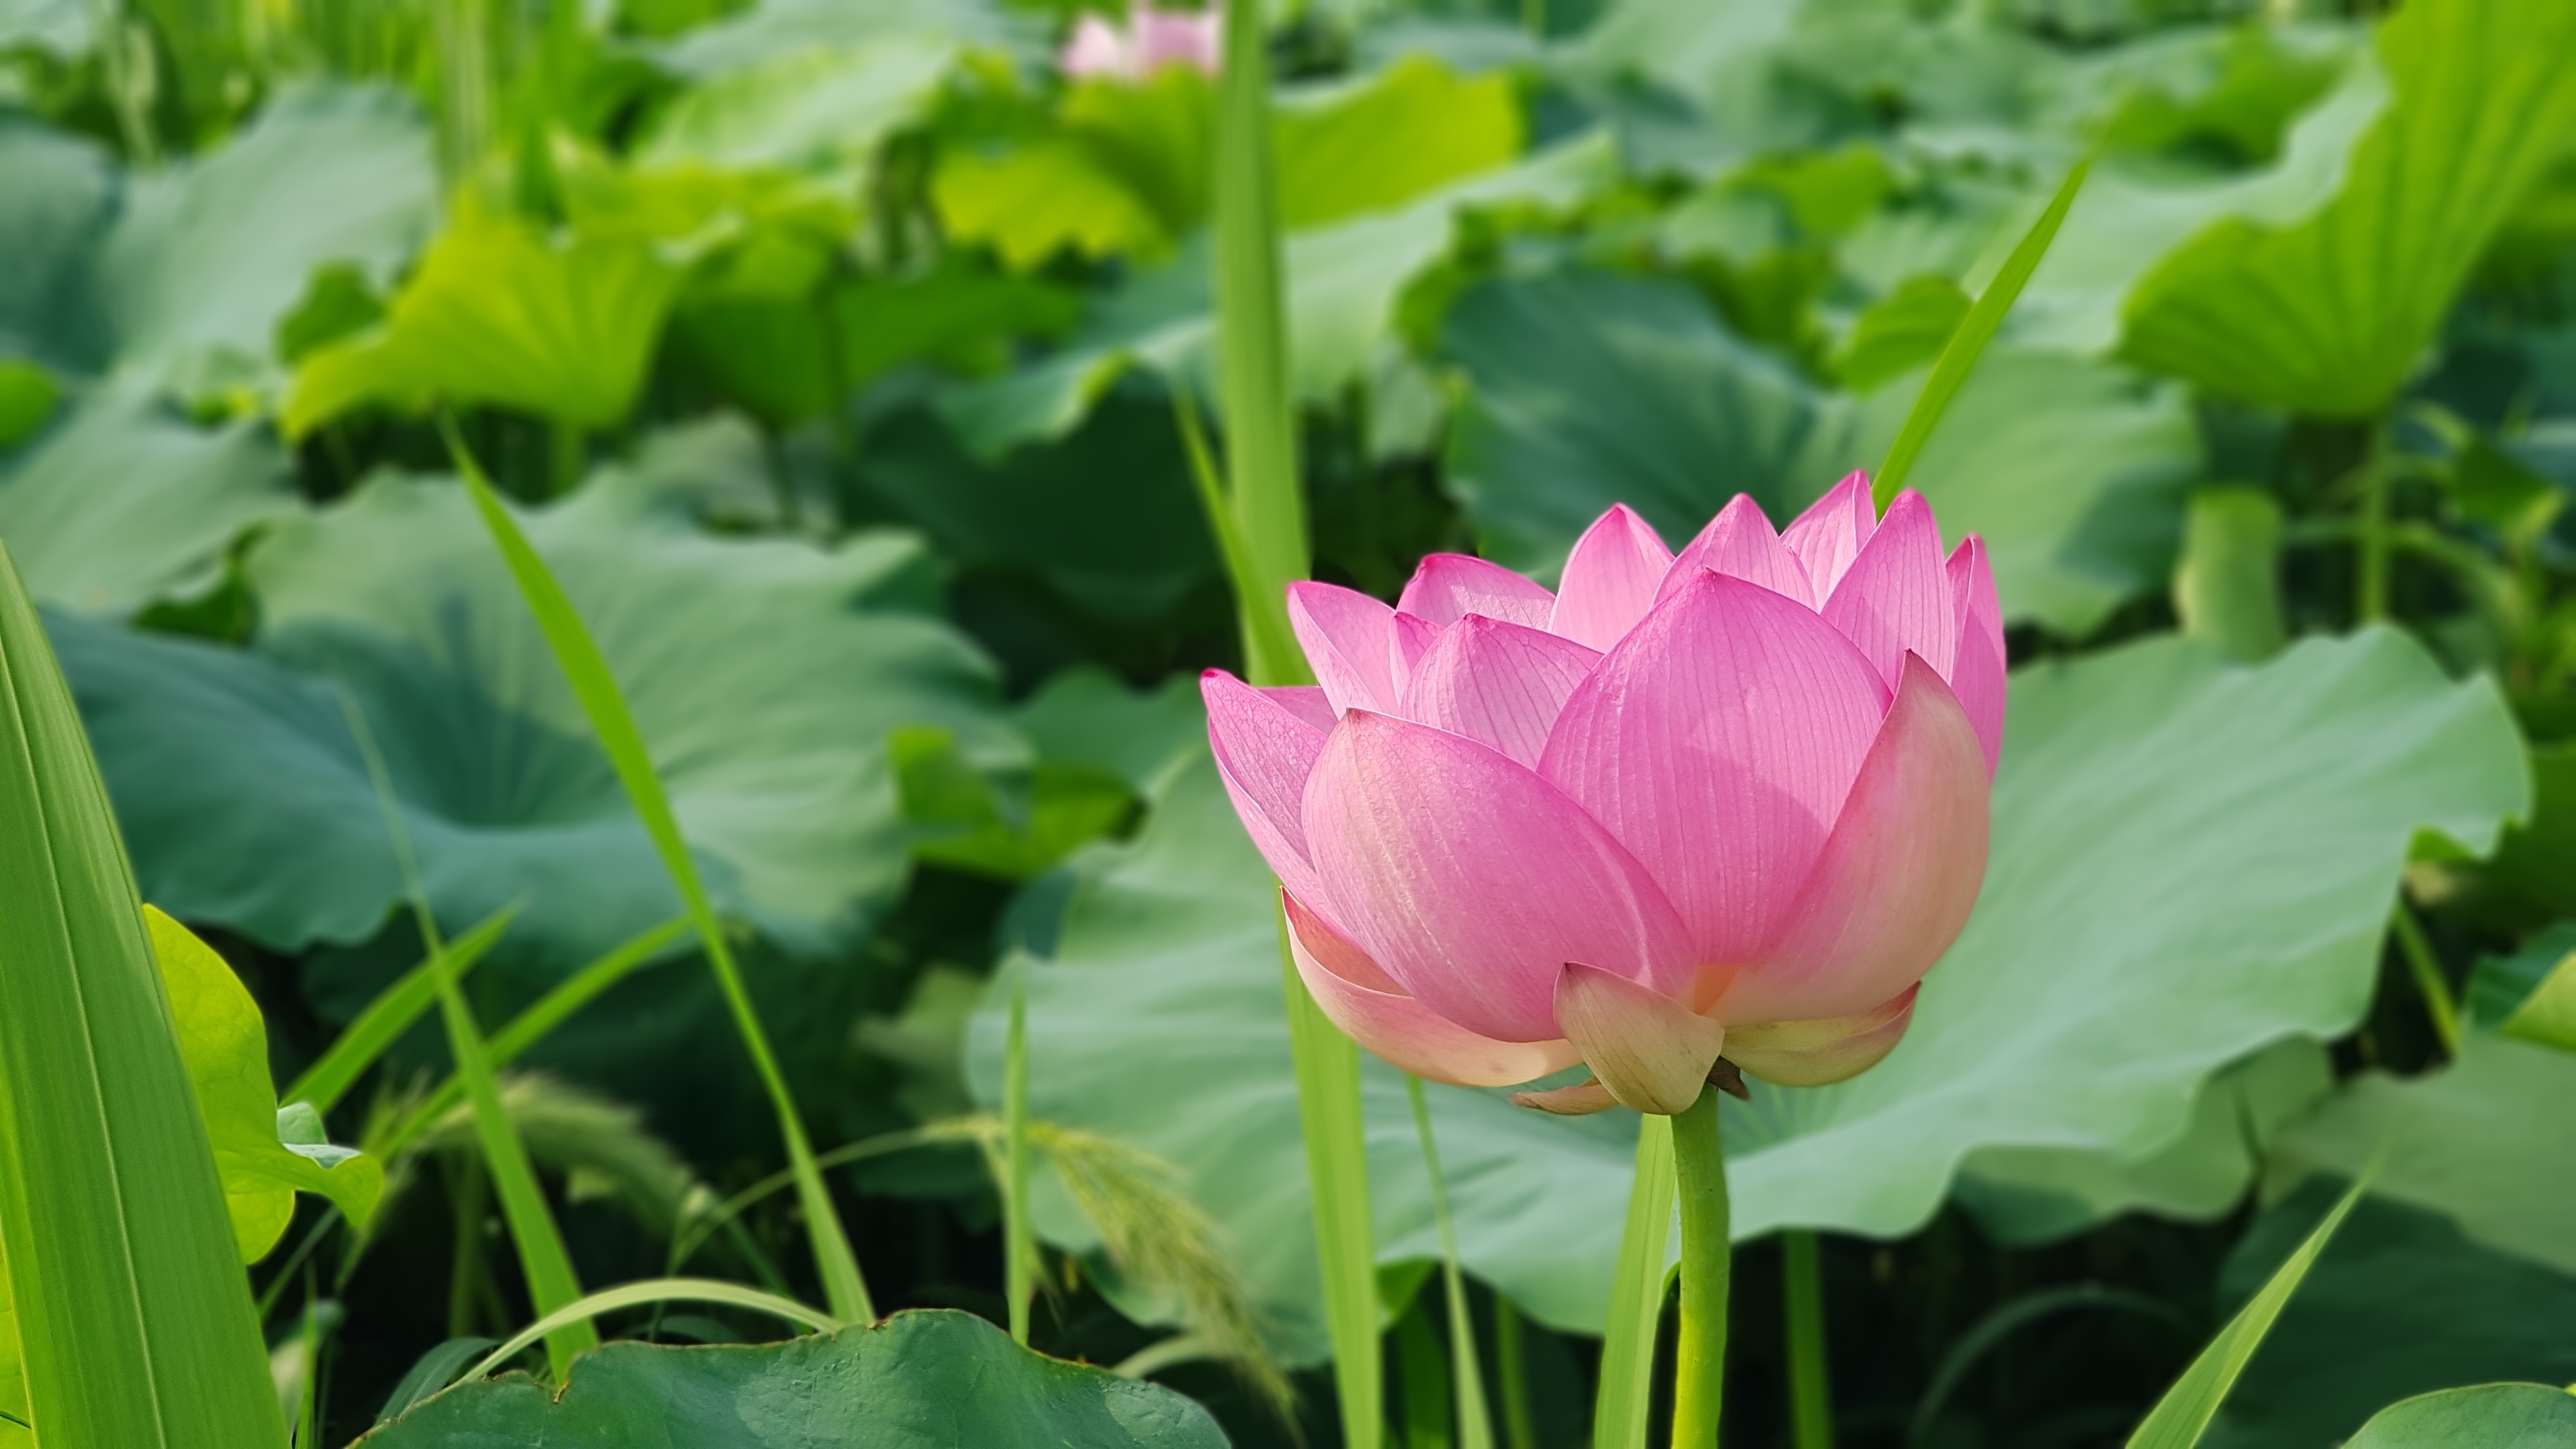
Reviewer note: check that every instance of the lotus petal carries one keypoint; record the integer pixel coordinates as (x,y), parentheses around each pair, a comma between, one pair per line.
(1377,1013)
(1497,683)
(1816,1053)
(1895,598)
(1450,586)
(1610,580)
(1345,634)
(1650,1051)
(1828,536)
(1265,748)
(1740,542)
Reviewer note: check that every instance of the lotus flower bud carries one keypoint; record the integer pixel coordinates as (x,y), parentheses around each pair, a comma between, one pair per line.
(1150,40)
(1727,805)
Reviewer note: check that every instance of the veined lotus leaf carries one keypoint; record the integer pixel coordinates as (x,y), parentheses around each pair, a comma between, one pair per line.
(764,675)
(924,1379)
(2191,861)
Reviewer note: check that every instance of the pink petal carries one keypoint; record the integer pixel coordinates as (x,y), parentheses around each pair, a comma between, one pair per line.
(1176,37)
(1366,1003)
(1264,752)
(1818,1053)
(1411,638)
(1896,881)
(1650,1051)
(1828,536)
(1977,676)
(1345,634)
(1450,586)
(1610,579)
(1094,49)
(1305,701)
(1739,541)
(1497,683)
(1895,598)
(1473,881)
(1716,743)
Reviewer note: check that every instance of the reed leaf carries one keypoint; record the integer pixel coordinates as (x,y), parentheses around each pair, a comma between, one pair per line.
(605,706)
(385,1019)
(134,1320)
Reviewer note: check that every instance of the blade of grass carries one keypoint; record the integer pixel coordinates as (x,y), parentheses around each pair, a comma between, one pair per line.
(588,673)
(1269,509)
(1328,1109)
(1267,636)
(134,1317)
(542,1256)
(1637,1295)
(1811,1395)
(654,1290)
(1475,1423)
(531,1026)
(1968,343)
(390,1015)
(2183,1414)
(2439,1004)
(1252,342)
(1015,1157)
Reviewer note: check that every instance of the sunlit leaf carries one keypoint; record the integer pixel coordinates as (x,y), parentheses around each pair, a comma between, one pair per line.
(264,1155)
(936,1378)
(2330,314)
(500,312)
(2191,861)
(1377,144)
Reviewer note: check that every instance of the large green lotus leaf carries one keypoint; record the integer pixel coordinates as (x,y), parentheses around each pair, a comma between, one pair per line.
(57,193)
(2191,861)
(124,500)
(924,1379)
(1587,389)
(1342,282)
(1378,143)
(764,675)
(2331,314)
(501,312)
(820,108)
(2489,1140)
(2401,1303)
(210,253)
(225,1043)
(2484,1416)
(2027,1195)
(2125,221)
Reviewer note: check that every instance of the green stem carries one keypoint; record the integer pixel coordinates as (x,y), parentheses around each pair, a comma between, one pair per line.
(1699,1358)
(1811,1399)
(2439,1004)
(1015,1130)
(563,457)
(1511,1362)
(1475,1424)
(2371,596)
(1328,1112)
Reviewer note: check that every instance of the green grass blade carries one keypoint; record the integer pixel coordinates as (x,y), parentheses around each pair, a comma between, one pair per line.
(133,1314)
(542,1255)
(655,1290)
(1252,348)
(1328,1109)
(604,704)
(1475,1422)
(531,1026)
(1637,1295)
(388,1016)
(1269,644)
(1967,344)
(2183,1414)
(1019,1252)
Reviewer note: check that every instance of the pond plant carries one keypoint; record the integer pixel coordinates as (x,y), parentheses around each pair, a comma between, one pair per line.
(606,835)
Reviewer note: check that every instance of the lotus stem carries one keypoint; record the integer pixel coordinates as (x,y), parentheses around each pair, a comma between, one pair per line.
(1699,1359)
(1811,1400)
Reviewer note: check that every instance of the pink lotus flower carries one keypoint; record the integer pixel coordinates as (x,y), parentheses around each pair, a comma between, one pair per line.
(1150,40)
(1728,804)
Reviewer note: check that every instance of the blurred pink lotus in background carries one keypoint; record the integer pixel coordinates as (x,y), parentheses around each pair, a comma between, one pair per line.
(1150,40)
(1728,804)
